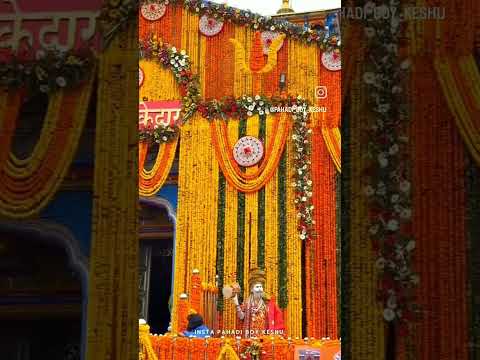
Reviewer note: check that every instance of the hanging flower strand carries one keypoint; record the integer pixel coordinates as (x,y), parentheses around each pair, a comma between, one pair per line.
(388,185)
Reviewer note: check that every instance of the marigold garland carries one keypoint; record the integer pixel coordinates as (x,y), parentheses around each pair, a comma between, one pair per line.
(282,234)
(261,205)
(242,245)
(25,167)
(151,181)
(322,251)
(254,181)
(197,225)
(363,315)
(251,202)
(220,263)
(29,185)
(179,63)
(115,237)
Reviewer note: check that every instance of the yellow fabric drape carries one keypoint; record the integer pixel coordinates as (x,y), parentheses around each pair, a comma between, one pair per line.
(197,208)
(456,96)
(113,284)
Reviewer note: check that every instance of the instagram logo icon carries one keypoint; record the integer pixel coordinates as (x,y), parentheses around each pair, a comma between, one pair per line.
(321,92)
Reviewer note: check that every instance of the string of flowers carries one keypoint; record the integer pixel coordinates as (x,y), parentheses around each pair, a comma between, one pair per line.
(326,40)
(158,133)
(388,186)
(179,63)
(46,71)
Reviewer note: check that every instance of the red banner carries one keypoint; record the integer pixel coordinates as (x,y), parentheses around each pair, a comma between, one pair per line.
(159,113)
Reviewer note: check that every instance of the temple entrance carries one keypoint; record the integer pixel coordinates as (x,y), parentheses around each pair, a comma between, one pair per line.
(156,267)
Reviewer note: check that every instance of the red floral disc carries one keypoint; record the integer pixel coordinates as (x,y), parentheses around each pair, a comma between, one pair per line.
(209,26)
(248,151)
(153,11)
(332,60)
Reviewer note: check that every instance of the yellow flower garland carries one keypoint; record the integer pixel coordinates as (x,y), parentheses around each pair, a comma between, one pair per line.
(232,174)
(251,209)
(294,251)
(230,262)
(23,168)
(146,344)
(155,74)
(271,226)
(38,191)
(160,170)
(301,82)
(364,308)
(197,207)
(113,283)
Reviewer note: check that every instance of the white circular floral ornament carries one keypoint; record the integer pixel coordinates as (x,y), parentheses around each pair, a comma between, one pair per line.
(267,39)
(332,60)
(209,26)
(141,77)
(337,356)
(153,11)
(248,151)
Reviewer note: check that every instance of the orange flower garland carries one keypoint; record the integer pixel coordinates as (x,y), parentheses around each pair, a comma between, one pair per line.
(218,64)
(151,181)
(196,292)
(27,189)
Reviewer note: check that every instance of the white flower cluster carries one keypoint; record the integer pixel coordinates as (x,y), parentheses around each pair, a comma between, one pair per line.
(179,61)
(389,188)
(303,181)
(257,105)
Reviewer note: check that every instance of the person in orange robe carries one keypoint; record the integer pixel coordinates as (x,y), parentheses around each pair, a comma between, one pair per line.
(260,315)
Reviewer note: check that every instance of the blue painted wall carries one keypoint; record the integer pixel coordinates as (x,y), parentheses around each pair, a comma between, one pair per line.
(73,209)
(170,192)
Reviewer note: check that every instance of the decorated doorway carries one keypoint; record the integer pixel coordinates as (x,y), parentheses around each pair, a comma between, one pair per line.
(156,265)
